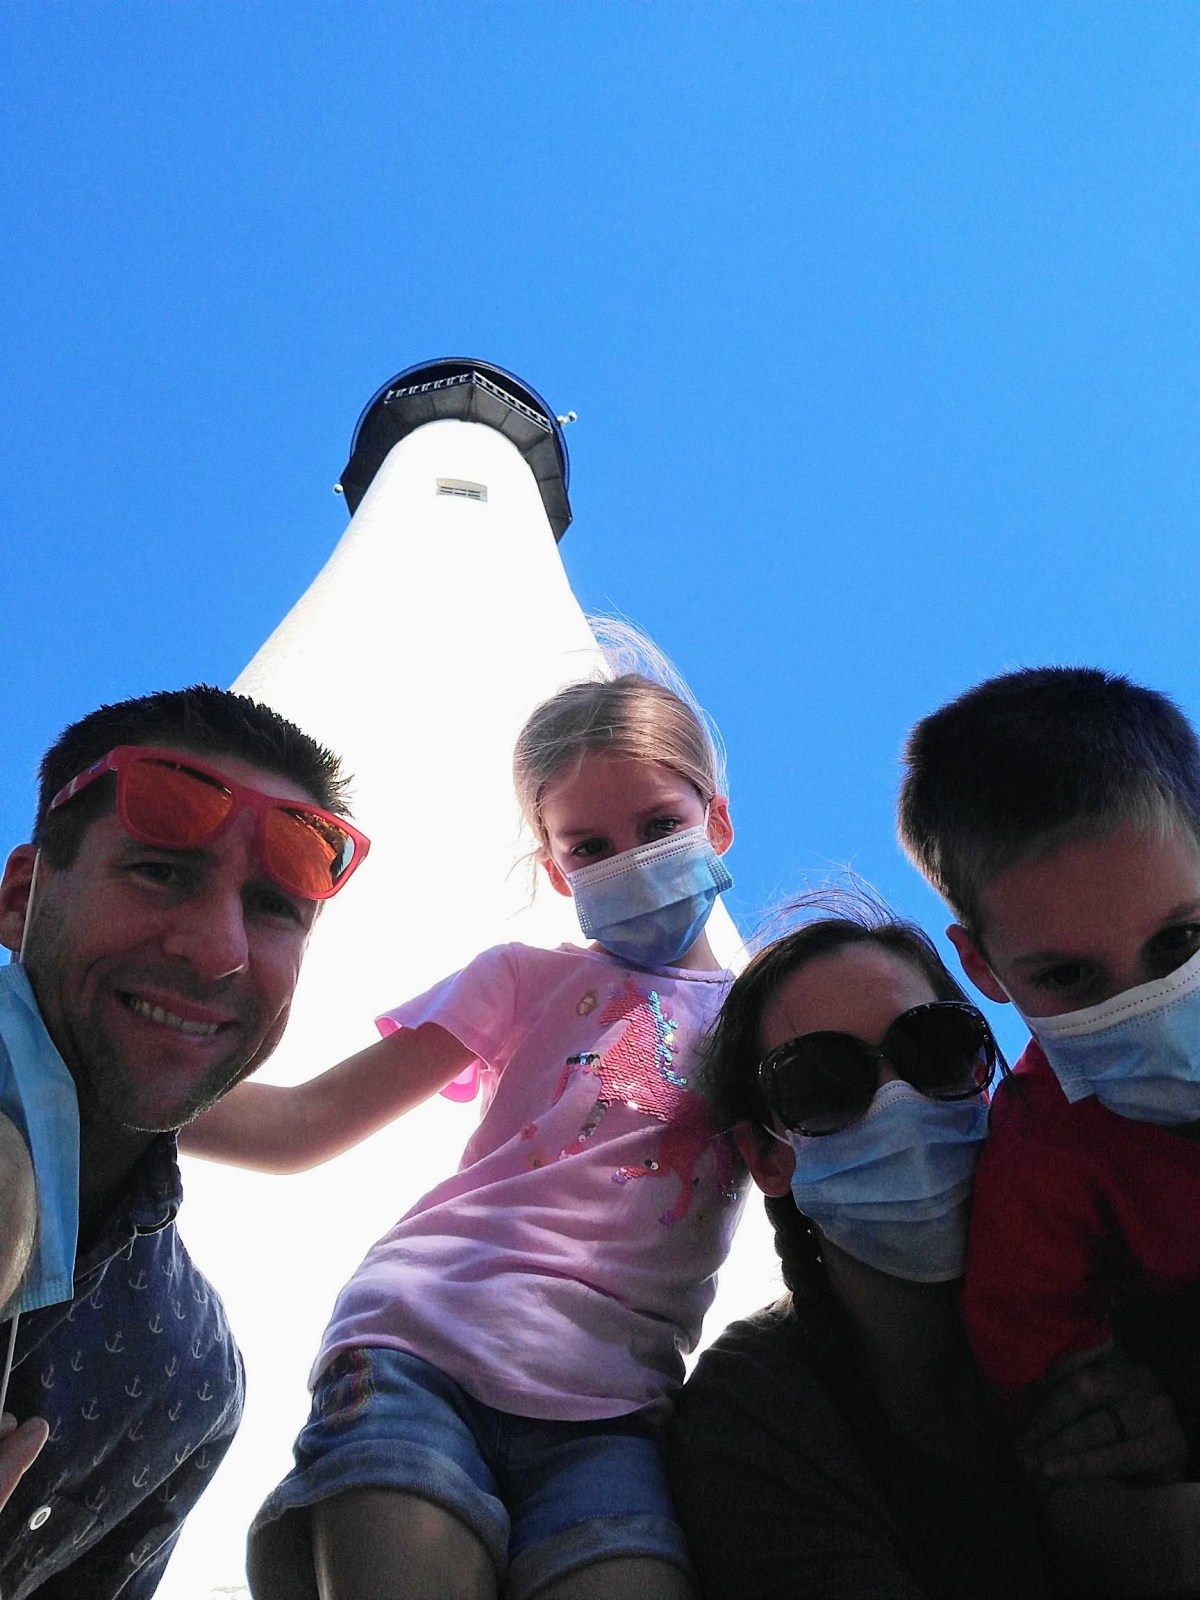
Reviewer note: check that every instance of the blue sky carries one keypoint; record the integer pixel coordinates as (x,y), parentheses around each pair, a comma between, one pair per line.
(880,321)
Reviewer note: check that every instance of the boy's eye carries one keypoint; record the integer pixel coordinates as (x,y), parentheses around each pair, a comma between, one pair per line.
(1171,947)
(1066,979)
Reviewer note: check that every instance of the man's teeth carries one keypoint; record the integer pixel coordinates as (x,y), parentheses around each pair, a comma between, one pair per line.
(158,1014)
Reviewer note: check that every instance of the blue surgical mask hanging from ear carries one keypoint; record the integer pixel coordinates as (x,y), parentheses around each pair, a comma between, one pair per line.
(37,1094)
(1138,1052)
(894,1188)
(649,905)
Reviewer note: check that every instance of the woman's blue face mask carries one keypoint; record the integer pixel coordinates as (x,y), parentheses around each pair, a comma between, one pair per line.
(894,1189)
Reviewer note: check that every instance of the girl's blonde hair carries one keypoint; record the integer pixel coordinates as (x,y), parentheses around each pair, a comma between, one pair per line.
(644,711)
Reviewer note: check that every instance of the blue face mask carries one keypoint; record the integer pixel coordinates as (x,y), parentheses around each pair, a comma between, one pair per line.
(1138,1053)
(37,1094)
(649,905)
(894,1188)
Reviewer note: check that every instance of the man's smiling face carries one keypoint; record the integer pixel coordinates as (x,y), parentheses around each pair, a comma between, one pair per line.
(163,976)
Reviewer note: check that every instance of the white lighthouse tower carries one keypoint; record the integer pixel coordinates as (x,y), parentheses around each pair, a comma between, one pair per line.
(440,620)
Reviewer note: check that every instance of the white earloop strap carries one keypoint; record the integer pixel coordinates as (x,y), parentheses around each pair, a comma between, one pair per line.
(33,878)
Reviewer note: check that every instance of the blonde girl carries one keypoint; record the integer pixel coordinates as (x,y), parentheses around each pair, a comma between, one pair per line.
(489,1394)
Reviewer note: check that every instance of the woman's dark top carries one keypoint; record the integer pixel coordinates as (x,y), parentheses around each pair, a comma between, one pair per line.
(791,1485)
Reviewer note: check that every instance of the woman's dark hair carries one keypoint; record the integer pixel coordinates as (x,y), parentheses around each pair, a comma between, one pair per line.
(735,1048)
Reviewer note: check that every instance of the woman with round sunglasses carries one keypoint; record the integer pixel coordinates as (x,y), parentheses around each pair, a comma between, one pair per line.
(841,1443)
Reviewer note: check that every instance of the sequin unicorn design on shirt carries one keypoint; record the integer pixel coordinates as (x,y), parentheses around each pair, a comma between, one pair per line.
(638,1072)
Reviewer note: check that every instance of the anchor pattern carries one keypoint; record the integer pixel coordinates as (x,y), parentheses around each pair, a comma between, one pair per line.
(142,1385)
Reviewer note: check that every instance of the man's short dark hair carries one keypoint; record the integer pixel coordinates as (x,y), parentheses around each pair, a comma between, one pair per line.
(1032,760)
(203,720)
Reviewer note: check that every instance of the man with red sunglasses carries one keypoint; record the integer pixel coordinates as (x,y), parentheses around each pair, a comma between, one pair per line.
(183,843)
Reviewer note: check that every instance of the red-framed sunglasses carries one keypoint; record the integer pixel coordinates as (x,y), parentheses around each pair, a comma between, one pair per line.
(168,799)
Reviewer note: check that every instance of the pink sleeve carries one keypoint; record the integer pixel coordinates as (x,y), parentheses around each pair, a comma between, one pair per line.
(465,1087)
(476,1005)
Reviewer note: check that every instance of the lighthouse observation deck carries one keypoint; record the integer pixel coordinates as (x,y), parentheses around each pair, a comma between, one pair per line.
(465,391)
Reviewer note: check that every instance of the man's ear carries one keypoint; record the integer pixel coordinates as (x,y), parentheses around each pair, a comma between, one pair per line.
(14,894)
(975,963)
(720,827)
(771,1169)
(555,873)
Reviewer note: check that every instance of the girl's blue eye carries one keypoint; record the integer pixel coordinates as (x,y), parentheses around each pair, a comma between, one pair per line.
(586,848)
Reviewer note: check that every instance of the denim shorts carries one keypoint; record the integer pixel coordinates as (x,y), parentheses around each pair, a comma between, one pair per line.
(543,1497)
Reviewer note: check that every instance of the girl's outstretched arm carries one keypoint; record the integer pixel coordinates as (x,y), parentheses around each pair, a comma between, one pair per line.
(278,1128)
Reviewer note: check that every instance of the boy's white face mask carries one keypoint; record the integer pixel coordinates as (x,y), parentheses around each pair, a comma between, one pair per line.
(1138,1053)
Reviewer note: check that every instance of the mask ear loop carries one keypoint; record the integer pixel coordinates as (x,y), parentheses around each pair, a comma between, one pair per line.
(19,959)
(8,1358)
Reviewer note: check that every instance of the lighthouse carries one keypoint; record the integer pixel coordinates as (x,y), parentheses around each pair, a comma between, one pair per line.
(442,617)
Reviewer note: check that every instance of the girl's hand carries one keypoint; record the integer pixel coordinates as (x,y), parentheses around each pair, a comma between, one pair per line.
(19,1449)
(1100,1415)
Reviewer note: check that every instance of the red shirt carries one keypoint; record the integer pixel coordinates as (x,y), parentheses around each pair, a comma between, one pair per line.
(1085,1224)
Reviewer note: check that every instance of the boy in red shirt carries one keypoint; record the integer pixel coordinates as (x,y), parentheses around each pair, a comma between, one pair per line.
(1057,810)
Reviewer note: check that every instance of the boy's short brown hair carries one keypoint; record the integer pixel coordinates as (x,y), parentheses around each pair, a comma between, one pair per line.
(1031,760)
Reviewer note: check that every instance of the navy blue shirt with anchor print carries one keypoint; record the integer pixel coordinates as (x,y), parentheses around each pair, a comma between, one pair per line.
(142,1385)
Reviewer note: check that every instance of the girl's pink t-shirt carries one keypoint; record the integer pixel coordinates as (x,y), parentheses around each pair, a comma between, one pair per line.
(565,1269)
